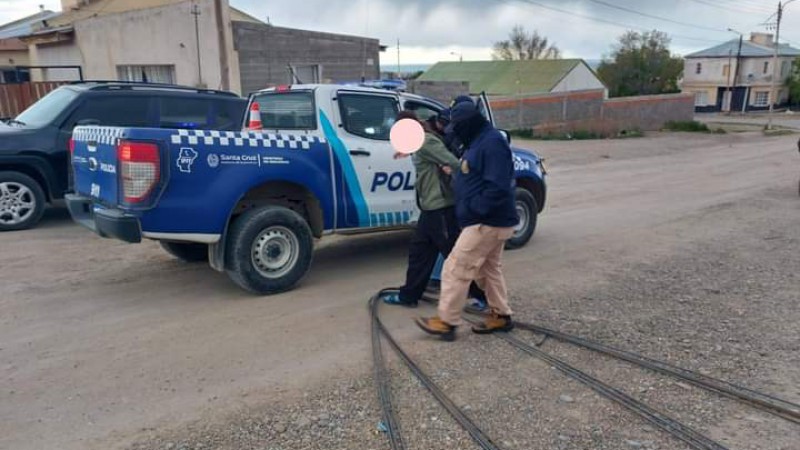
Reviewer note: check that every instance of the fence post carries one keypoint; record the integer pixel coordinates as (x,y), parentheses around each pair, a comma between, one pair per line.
(26,95)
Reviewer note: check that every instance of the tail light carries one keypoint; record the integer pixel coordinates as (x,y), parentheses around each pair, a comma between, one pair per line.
(71,146)
(140,169)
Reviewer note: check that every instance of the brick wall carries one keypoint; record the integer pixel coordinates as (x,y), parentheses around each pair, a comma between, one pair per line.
(590,111)
(443,91)
(265,52)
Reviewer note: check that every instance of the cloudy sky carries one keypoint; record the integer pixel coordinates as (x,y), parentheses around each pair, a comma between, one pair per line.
(432,30)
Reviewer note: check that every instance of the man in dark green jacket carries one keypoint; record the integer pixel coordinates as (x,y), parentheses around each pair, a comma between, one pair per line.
(437,228)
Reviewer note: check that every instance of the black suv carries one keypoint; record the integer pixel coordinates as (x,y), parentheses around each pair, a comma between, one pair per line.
(34,154)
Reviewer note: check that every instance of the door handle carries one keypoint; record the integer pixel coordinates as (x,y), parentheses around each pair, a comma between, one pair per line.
(360,152)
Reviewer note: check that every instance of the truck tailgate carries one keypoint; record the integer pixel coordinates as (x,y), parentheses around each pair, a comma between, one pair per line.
(94,162)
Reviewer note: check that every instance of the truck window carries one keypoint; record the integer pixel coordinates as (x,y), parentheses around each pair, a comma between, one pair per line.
(287,110)
(228,115)
(114,111)
(182,112)
(48,108)
(368,116)
(423,111)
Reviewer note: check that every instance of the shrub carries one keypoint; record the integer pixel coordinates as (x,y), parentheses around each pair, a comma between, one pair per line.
(687,125)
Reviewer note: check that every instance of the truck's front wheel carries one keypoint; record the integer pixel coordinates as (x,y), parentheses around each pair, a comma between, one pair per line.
(268,250)
(21,201)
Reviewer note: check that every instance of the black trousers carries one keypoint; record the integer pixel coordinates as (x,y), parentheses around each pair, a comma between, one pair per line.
(436,232)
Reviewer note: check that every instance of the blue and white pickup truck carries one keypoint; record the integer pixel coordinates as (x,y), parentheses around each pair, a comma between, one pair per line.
(252,202)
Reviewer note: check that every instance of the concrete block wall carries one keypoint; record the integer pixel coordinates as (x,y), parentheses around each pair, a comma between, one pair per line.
(590,111)
(443,91)
(265,52)
(649,112)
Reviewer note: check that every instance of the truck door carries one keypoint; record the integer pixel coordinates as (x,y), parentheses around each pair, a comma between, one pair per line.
(485,108)
(386,184)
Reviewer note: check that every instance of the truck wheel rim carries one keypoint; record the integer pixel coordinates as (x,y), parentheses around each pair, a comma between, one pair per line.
(17,203)
(524,218)
(275,252)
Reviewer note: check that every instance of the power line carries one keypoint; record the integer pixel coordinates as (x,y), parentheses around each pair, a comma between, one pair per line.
(652,16)
(605,21)
(730,7)
(749,4)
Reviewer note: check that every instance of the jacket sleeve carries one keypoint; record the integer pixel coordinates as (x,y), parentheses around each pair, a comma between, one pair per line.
(497,175)
(434,150)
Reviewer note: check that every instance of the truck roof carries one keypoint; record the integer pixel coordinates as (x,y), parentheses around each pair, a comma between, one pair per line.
(97,85)
(349,87)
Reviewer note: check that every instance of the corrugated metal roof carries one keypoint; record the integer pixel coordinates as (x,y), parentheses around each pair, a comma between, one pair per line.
(749,50)
(24,26)
(504,77)
(105,7)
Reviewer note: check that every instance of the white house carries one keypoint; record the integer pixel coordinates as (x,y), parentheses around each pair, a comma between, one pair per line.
(737,75)
(537,76)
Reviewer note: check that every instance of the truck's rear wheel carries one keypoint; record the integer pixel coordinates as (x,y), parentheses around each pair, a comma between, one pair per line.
(268,250)
(22,201)
(186,252)
(527,210)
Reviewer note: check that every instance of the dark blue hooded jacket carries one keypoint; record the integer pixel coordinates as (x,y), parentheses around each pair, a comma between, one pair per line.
(485,185)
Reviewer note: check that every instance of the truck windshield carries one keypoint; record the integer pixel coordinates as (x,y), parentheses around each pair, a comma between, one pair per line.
(45,110)
(292,110)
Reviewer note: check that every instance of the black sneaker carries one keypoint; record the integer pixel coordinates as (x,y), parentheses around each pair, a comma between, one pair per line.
(393,298)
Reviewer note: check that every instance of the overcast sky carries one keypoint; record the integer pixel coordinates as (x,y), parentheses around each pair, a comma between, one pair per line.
(430,30)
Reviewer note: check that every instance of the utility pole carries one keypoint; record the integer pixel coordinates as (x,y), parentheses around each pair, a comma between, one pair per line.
(735,74)
(398,58)
(730,94)
(224,63)
(196,13)
(773,98)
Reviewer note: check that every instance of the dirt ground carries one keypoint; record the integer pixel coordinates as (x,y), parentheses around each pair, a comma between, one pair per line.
(683,247)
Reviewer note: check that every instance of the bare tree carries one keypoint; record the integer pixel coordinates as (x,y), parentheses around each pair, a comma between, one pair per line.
(523,45)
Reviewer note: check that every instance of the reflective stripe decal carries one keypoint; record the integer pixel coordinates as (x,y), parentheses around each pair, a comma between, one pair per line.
(343,156)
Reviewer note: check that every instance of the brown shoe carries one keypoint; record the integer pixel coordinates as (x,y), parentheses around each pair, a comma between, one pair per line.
(438,327)
(493,323)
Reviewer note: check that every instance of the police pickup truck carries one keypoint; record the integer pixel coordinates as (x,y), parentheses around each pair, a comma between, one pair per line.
(252,202)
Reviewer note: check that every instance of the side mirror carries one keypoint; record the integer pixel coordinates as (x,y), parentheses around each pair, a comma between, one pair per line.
(506,135)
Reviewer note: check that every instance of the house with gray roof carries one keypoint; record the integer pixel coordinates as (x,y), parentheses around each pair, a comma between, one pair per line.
(204,43)
(14,52)
(737,75)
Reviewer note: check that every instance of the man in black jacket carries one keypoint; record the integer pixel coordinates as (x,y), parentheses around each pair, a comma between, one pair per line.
(485,209)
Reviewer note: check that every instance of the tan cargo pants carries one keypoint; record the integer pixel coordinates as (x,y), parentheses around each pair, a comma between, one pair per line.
(476,256)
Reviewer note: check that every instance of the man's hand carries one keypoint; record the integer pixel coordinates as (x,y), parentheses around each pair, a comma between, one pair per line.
(447,170)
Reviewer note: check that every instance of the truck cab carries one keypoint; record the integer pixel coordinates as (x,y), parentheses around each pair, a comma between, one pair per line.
(252,202)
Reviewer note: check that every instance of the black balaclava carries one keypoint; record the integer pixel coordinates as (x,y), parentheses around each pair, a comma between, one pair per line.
(467,122)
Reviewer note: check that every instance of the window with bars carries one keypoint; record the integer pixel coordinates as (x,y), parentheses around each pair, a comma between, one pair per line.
(147,74)
(761,99)
(700,98)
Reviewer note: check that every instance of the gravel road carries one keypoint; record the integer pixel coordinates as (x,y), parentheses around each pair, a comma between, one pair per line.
(682,247)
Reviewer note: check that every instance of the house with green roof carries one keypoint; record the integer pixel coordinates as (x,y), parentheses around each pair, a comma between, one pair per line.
(738,75)
(508,78)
